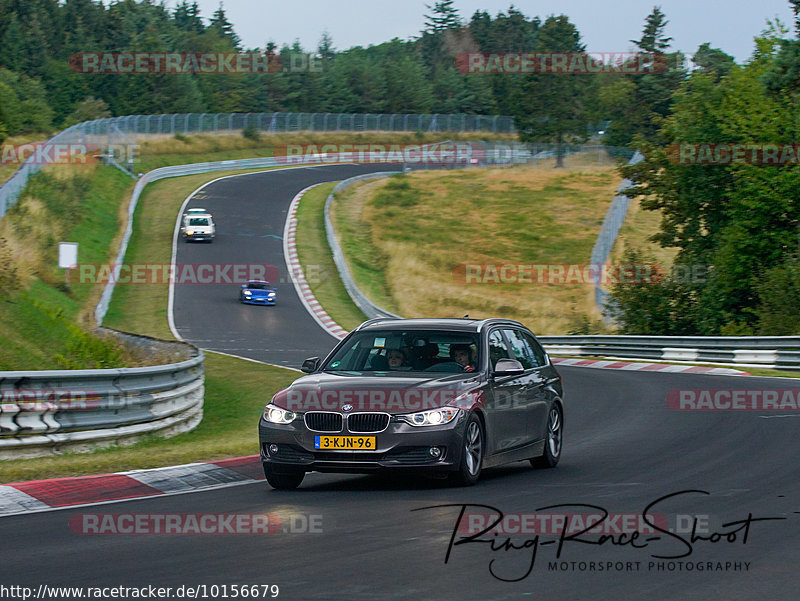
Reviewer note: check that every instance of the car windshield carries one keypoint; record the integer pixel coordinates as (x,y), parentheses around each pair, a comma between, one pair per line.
(258,286)
(198,221)
(407,350)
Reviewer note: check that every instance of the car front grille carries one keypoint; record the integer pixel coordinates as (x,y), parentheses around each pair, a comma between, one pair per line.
(324,421)
(367,422)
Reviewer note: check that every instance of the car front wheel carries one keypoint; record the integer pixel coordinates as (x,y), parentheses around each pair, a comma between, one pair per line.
(288,480)
(471,454)
(552,444)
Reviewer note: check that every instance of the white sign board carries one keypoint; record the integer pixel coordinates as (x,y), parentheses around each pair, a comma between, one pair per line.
(67,255)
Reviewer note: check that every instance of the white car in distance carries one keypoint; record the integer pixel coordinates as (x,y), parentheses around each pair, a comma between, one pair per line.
(197,224)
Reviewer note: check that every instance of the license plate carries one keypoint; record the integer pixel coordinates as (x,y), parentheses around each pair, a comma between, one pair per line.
(345,443)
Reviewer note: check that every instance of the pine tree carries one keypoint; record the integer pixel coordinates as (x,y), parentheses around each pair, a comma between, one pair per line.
(325,47)
(551,107)
(187,17)
(653,38)
(795,4)
(220,23)
(444,17)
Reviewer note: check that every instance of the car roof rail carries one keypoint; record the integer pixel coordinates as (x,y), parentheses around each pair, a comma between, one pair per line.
(369,322)
(498,320)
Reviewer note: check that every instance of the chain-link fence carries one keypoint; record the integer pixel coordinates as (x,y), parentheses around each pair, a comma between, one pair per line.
(109,137)
(190,123)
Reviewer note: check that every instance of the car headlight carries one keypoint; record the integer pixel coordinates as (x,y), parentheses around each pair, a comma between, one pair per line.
(271,295)
(247,293)
(276,415)
(431,417)
(189,233)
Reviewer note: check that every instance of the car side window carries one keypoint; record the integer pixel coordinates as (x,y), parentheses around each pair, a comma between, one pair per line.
(521,349)
(497,349)
(538,351)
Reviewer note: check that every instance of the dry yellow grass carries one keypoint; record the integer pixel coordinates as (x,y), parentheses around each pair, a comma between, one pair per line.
(162,144)
(635,234)
(495,216)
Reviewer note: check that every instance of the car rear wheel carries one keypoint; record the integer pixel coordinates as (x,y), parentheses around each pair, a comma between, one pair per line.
(552,444)
(284,480)
(471,454)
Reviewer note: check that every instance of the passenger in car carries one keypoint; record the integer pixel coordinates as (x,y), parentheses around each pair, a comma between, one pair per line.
(397,359)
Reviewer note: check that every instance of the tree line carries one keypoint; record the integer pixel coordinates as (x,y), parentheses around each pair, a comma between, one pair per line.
(722,170)
(39,91)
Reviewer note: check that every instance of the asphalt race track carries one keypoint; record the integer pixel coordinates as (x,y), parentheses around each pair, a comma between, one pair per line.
(624,449)
(250,212)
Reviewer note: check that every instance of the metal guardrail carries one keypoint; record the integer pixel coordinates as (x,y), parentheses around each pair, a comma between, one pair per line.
(778,352)
(367,307)
(609,231)
(45,412)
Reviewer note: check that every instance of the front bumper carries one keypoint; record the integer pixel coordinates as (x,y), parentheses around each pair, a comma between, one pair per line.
(399,447)
(257,300)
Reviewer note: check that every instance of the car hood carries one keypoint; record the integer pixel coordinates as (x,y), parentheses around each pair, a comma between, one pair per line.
(389,393)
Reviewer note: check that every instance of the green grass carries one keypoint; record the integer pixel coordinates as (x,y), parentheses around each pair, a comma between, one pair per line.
(365,259)
(315,256)
(236,390)
(38,328)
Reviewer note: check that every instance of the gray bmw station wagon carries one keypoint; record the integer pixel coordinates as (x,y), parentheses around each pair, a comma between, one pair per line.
(446,397)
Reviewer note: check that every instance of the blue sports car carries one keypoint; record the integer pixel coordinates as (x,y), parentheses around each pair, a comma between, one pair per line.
(257,292)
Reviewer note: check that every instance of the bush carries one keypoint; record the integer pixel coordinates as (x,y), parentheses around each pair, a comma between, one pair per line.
(665,308)
(778,310)
(251,133)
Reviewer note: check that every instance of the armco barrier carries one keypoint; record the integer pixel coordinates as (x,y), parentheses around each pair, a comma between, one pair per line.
(777,352)
(367,307)
(45,412)
(609,231)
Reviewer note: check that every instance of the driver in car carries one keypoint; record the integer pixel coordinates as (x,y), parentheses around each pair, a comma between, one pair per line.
(462,354)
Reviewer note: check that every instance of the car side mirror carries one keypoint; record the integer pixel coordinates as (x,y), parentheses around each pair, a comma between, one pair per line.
(244,285)
(508,367)
(310,365)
